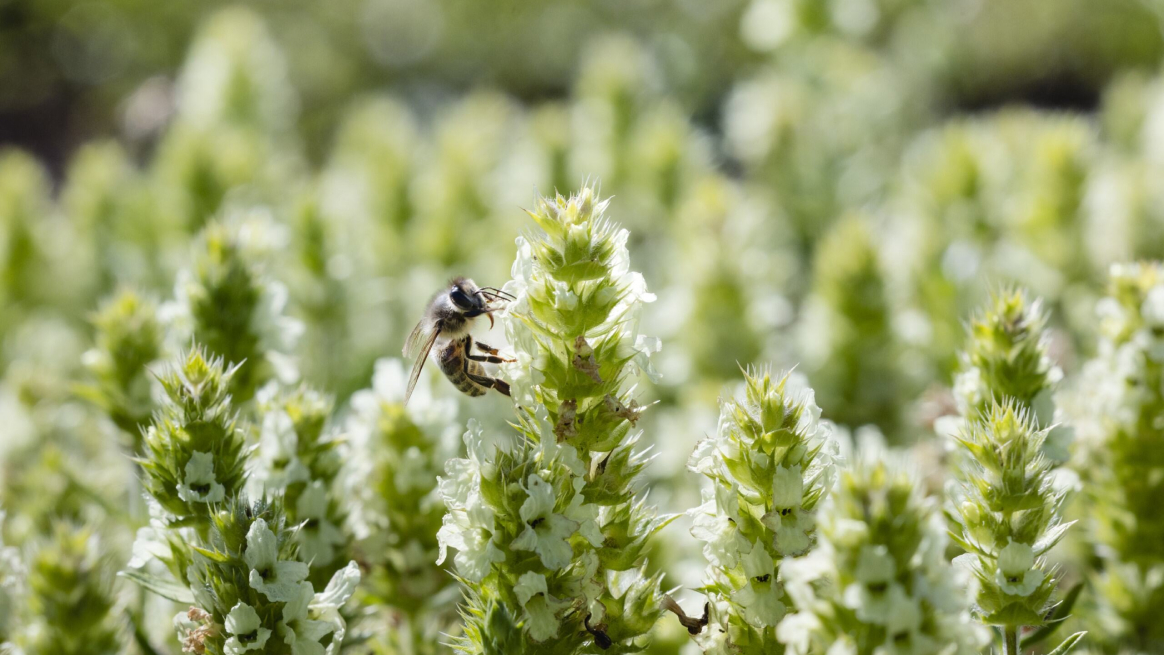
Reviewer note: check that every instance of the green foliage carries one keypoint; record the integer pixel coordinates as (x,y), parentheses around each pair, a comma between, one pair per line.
(227,304)
(397,454)
(830,185)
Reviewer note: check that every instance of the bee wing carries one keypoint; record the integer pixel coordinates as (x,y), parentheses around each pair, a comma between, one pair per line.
(419,343)
(418,336)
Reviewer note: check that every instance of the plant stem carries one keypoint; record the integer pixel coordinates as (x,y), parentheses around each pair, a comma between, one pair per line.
(1012,642)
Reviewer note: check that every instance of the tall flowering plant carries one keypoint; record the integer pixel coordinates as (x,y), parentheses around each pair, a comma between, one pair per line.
(1008,505)
(299,459)
(129,337)
(234,563)
(771,461)
(550,529)
(1119,405)
(880,583)
(396,454)
(1007,357)
(228,303)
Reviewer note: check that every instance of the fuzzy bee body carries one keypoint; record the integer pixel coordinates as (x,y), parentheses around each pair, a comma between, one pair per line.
(458,369)
(448,320)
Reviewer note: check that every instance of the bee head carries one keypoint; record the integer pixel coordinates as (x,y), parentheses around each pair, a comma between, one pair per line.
(465,295)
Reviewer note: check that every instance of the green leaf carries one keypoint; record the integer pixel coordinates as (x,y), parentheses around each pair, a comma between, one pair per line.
(1067,644)
(212,555)
(1058,615)
(166,588)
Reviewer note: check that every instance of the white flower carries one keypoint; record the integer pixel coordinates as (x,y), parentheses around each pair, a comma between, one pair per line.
(545,532)
(199,484)
(149,544)
(1153,307)
(796,631)
(299,632)
(470,531)
(873,592)
(585,514)
(277,580)
(716,524)
(318,536)
(790,523)
(1017,574)
(279,466)
(787,488)
(540,608)
(564,299)
(11,575)
(245,630)
(761,596)
(277,332)
(969,390)
(645,347)
(338,590)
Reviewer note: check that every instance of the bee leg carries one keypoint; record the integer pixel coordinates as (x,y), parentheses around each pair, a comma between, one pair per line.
(492,358)
(488,382)
(483,380)
(488,359)
(486,348)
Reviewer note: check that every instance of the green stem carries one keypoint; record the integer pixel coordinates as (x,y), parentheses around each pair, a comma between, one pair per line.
(1012,641)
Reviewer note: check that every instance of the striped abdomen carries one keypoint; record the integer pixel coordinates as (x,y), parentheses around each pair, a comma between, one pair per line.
(454,365)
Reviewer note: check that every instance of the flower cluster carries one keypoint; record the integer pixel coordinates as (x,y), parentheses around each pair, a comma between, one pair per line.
(1007,360)
(237,565)
(1006,357)
(228,305)
(1119,404)
(299,458)
(70,603)
(549,526)
(249,590)
(1007,515)
(848,334)
(771,462)
(880,583)
(129,338)
(397,453)
(1010,503)
(195,453)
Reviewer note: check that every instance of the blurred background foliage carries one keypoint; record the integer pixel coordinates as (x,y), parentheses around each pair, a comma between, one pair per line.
(834,184)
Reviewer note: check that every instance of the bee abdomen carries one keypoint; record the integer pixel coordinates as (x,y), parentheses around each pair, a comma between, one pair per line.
(453,365)
(465,385)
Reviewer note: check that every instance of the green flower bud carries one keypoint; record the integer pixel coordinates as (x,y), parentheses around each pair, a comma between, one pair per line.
(1006,356)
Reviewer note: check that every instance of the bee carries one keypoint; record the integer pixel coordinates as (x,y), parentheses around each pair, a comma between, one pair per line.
(447,321)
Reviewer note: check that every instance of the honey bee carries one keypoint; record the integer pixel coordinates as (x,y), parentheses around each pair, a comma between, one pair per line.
(447,320)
